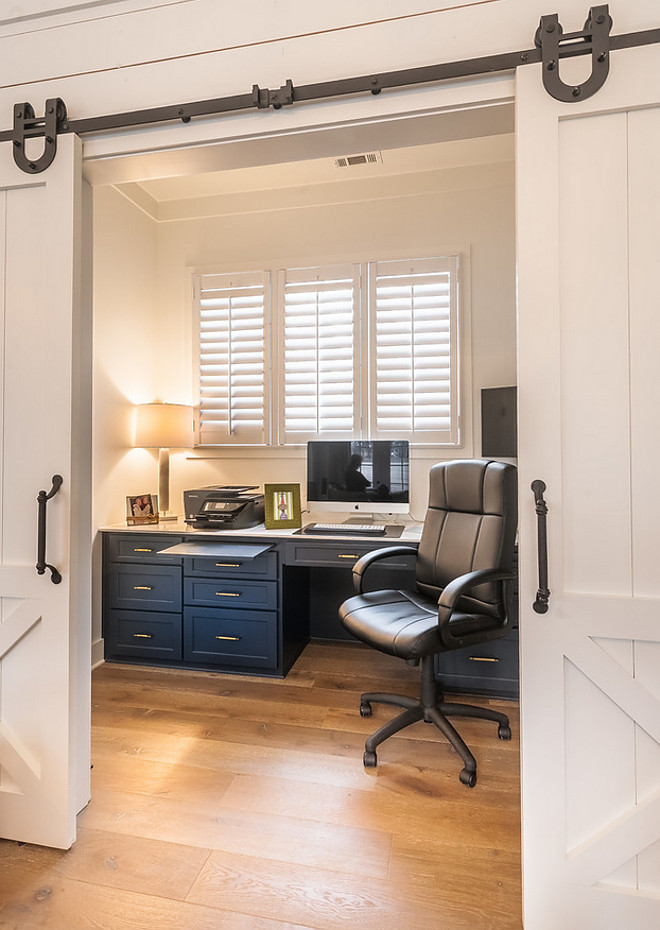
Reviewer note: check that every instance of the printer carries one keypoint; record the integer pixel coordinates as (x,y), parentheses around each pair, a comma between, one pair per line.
(223,508)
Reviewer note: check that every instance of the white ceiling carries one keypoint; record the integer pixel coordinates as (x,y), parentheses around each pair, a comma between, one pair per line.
(171,182)
(314,171)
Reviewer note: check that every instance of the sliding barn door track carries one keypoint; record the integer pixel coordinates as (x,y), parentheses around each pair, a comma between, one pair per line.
(551,45)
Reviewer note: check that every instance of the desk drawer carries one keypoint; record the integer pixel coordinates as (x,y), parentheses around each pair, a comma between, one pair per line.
(142,635)
(488,668)
(145,548)
(343,554)
(230,637)
(144,587)
(239,594)
(233,566)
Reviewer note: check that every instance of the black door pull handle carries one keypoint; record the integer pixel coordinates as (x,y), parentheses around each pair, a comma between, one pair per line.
(540,605)
(42,501)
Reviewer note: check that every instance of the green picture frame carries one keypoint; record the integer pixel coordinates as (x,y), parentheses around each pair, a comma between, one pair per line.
(282,507)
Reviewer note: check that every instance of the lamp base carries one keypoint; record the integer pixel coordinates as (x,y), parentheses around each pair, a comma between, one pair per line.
(167,517)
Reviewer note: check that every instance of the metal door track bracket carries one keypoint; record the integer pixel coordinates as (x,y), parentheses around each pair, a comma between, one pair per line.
(264,98)
(553,44)
(27,125)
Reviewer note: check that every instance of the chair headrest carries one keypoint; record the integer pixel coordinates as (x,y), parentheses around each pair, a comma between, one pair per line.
(472,486)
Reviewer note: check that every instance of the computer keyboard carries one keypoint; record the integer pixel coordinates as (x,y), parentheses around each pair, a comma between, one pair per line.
(346,529)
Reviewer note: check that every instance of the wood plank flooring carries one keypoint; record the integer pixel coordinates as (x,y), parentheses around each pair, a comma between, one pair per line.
(229,803)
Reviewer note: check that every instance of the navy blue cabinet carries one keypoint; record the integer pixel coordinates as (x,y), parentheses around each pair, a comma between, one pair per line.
(203,604)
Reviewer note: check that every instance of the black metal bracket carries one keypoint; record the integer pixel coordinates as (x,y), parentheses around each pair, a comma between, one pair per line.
(27,126)
(552,42)
(540,605)
(551,46)
(42,500)
(264,98)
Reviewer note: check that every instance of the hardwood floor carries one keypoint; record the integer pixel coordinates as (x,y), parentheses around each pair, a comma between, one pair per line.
(228,803)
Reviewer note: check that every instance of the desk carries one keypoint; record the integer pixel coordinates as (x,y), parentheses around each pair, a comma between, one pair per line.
(248,601)
(244,601)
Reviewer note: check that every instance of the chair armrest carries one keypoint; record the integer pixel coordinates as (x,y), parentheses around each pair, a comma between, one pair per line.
(453,592)
(368,559)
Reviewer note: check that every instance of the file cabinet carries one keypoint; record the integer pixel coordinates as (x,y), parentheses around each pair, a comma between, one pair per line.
(230,616)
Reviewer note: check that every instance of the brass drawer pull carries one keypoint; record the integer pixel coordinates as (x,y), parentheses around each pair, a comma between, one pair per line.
(227,594)
(234,639)
(143,635)
(143,550)
(483,659)
(141,587)
(341,555)
(227,564)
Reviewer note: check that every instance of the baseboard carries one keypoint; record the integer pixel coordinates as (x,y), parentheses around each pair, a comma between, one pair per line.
(98,652)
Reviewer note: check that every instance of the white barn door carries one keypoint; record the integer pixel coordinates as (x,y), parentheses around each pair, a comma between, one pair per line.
(44,627)
(589,383)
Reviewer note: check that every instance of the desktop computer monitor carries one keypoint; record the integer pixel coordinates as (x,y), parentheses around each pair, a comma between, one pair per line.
(358,476)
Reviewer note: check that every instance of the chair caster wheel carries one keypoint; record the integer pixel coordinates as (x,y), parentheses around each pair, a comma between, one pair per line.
(503,731)
(468,778)
(369,760)
(365,709)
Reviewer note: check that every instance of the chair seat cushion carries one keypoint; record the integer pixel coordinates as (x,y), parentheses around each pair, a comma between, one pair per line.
(404,623)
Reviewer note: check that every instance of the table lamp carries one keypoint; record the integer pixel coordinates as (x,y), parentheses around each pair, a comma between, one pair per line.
(164,427)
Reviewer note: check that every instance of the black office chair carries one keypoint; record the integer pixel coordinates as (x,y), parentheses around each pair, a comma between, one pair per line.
(462,570)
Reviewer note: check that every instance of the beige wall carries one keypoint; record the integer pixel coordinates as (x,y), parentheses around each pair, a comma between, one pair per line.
(125,356)
(143,336)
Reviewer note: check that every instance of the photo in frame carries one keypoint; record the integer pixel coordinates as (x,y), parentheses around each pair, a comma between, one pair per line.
(282,507)
(141,508)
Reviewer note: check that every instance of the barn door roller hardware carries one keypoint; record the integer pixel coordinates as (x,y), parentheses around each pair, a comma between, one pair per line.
(550,47)
(29,126)
(596,35)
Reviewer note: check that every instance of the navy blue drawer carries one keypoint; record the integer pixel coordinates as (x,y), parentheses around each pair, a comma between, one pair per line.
(222,592)
(488,668)
(136,634)
(144,548)
(144,587)
(344,553)
(230,637)
(233,565)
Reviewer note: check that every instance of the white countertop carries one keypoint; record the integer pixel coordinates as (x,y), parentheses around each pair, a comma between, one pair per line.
(411,532)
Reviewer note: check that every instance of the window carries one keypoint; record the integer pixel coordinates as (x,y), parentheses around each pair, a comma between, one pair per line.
(413,350)
(364,350)
(319,365)
(233,348)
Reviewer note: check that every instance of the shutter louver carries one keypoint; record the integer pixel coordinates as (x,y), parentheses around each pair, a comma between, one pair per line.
(414,350)
(232,353)
(320,307)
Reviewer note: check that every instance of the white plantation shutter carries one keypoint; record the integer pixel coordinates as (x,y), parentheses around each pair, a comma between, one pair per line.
(233,388)
(319,353)
(414,350)
(350,360)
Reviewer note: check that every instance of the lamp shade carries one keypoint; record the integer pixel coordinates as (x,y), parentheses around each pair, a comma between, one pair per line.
(164,426)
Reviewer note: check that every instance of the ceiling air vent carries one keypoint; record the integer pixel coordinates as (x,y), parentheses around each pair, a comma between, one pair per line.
(365,158)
